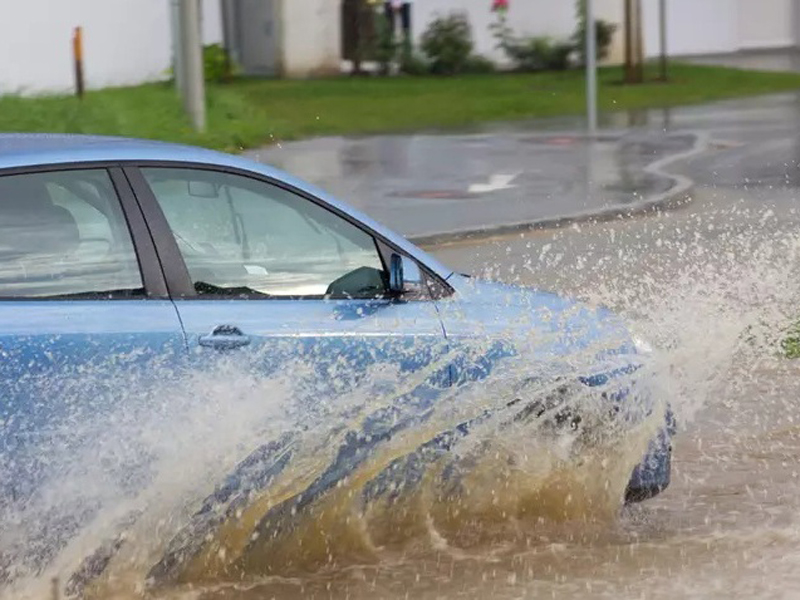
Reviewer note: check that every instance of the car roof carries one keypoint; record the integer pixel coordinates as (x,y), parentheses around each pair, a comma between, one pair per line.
(40,149)
(33,149)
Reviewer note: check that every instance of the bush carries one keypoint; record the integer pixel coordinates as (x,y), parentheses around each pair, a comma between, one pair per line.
(560,57)
(216,65)
(385,50)
(478,64)
(447,42)
(531,53)
(539,54)
(414,64)
(604,36)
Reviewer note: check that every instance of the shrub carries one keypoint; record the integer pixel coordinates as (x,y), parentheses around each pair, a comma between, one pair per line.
(560,56)
(539,54)
(414,64)
(447,42)
(479,64)
(217,67)
(531,53)
(604,36)
(386,47)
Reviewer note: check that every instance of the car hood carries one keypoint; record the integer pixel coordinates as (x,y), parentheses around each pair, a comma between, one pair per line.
(534,321)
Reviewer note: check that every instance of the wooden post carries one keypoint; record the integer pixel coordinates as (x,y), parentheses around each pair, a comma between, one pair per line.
(634,47)
(639,42)
(77,55)
(629,41)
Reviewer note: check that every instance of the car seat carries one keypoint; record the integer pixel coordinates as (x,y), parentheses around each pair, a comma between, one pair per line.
(34,232)
(30,223)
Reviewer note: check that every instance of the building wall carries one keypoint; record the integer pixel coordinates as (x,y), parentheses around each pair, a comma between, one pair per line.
(125,42)
(311,43)
(765,24)
(719,26)
(693,26)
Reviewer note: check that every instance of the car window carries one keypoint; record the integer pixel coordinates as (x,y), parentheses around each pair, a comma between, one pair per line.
(63,234)
(244,237)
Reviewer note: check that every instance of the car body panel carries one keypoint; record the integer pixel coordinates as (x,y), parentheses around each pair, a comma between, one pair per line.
(65,367)
(461,334)
(340,338)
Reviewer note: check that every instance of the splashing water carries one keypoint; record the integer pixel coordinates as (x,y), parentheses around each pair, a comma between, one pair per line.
(141,494)
(515,486)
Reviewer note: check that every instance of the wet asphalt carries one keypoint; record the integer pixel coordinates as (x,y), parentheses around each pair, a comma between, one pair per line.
(425,185)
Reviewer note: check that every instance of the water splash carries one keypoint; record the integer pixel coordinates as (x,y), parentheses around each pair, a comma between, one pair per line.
(723,302)
(142,494)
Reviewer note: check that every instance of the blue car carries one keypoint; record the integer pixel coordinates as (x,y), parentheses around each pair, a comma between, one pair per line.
(130,267)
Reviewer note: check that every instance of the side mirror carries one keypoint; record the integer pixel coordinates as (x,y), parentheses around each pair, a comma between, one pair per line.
(405,276)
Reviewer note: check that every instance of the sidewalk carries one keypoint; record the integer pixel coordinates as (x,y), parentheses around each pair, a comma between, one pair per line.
(781,59)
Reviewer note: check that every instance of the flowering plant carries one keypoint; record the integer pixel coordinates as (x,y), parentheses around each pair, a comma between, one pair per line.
(502,32)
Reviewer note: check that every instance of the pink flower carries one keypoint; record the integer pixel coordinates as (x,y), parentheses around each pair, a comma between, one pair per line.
(499,5)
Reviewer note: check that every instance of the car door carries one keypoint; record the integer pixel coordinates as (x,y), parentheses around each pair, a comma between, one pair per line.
(268,280)
(85,324)
(281,277)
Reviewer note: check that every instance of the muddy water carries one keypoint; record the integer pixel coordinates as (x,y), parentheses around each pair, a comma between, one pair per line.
(711,287)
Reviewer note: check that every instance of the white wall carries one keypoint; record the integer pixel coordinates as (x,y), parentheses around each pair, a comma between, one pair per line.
(765,23)
(718,26)
(694,26)
(125,42)
(555,18)
(312,37)
(212,20)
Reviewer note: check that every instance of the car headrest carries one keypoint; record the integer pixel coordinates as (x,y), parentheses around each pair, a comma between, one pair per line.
(23,193)
(30,224)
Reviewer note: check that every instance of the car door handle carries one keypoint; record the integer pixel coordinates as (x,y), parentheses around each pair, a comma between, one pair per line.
(225,337)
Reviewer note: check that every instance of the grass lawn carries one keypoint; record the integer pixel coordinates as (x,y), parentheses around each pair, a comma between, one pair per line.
(249,112)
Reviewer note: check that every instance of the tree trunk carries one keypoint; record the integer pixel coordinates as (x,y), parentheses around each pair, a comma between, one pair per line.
(639,43)
(634,49)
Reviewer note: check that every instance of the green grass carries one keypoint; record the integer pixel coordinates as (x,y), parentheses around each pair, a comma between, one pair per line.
(250,113)
(790,344)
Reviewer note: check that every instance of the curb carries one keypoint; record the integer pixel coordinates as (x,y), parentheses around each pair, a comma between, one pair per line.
(679,195)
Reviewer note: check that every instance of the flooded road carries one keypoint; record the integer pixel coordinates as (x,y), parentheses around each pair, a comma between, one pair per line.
(712,287)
